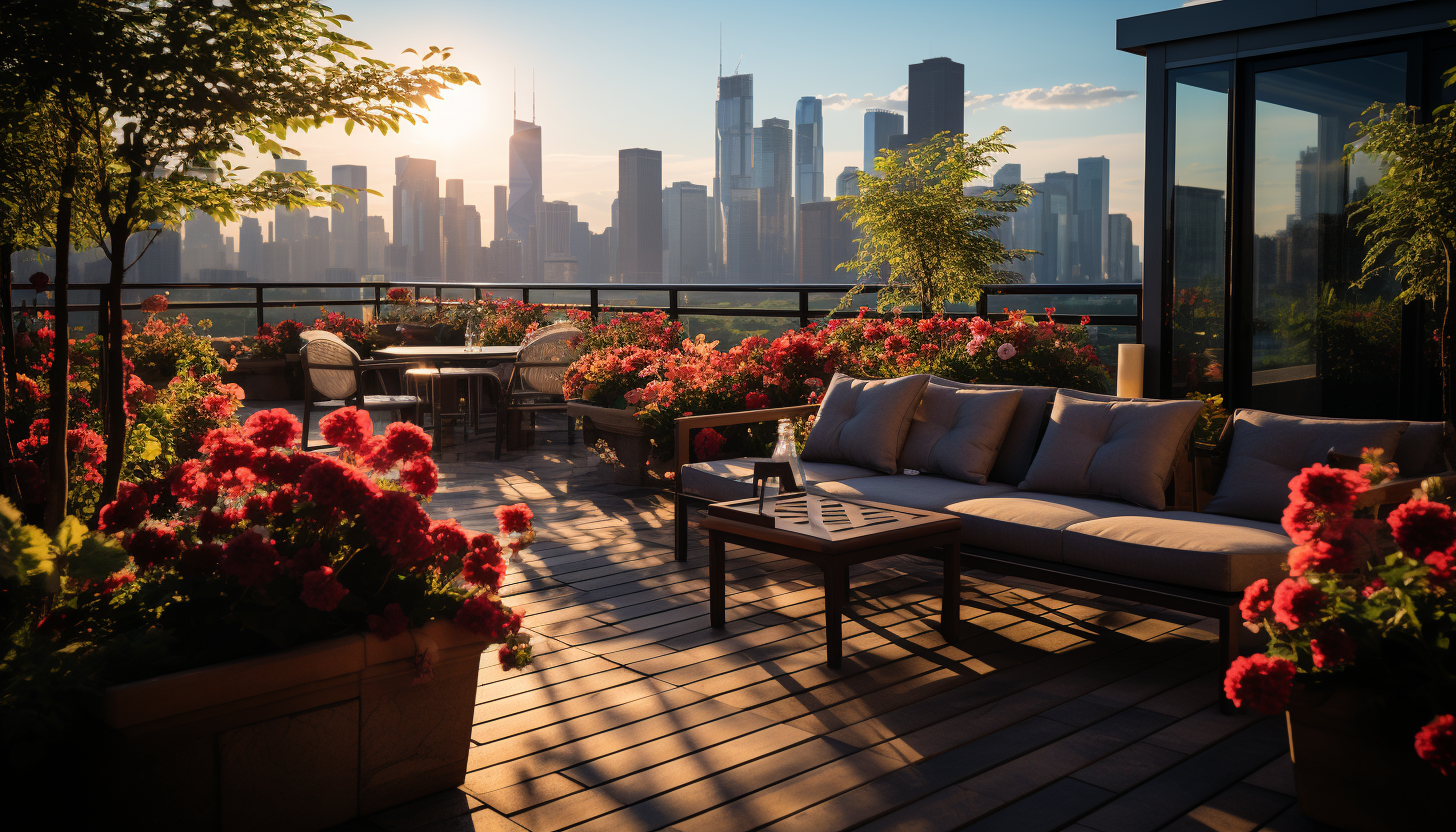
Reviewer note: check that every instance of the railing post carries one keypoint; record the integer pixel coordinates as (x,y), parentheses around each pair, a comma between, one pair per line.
(377,308)
(803,308)
(525,294)
(672,304)
(596,306)
(258,305)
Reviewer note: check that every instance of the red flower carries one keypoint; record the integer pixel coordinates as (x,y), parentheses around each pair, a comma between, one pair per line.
(333,484)
(1441,565)
(1331,489)
(211,525)
(1332,647)
(390,624)
(217,406)
(1296,603)
(276,428)
(155,304)
(1436,744)
(448,537)
(1319,556)
(399,293)
(116,581)
(514,654)
(404,441)
(486,617)
(227,450)
(1259,681)
(400,526)
(420,476)
(755,400)
(1257,601)
(250,559)
(514,519)
(127,511)
(153,546)
(346,428)
(191,485)
(482,565)
(707,443)
(1421,527)
(321,590)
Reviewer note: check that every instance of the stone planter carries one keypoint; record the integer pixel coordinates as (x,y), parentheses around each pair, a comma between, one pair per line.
(1355,772)
(622,433)
(262,379)
(302,739)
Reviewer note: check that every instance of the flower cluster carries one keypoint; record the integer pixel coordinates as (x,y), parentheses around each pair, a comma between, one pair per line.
(274,341)
(1347,612)
(163,348)
(651,330)
(493,321)
(1023,350)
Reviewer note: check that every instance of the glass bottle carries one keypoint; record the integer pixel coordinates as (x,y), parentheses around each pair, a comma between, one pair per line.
(470,337)
(787,450)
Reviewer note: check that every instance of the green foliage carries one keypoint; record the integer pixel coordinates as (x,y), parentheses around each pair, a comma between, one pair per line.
(1211,419)
(168,346)
(918,223)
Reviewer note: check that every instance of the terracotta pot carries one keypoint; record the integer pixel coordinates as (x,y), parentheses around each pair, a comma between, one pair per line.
(302,739)
(262,379)
(622,432)
(1353,771)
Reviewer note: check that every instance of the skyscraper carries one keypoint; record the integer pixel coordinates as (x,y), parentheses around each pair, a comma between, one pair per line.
(639,189)
(157,253)
(1093,174)
(452,214)
(772,176)
(1058,229)
(376,239)
(879,126)
(525,179)
(349,235)
(937,98)
(743,236)
(826,239)
(685,239)
(201,246)
(1014,229)
(732,157)
(417,216)
(250,245)
(290,224)
(847,182)
(502,205)
(315,251)
(808,150)
(1121,253)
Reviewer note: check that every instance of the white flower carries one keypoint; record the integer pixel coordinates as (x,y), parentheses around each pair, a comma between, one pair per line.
(1006,351)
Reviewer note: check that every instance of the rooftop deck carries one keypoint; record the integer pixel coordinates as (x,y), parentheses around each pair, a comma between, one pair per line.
(1054,709)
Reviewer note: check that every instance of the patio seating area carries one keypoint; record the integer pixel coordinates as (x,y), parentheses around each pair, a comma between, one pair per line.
(1052,709)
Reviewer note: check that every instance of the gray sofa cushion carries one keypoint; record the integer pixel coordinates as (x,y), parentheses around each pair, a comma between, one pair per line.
(1186,548)
(1421,452)
(864,422)
(1108,447)
(925,491)
(1022,435)
(1268,450)
(732,479)
(957,432)
(1030,524)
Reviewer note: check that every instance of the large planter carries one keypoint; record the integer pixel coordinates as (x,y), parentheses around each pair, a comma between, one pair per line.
(262,379)
(302,739)
(1354,772)
(622,433)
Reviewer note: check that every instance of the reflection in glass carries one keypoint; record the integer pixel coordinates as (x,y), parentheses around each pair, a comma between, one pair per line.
(1320,347)
(1200,178)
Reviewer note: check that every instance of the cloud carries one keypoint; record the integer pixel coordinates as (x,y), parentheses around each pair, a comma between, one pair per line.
(899,100)
(1065,97)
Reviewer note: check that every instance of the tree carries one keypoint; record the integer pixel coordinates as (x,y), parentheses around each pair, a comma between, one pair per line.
(1409,216)
(918,223)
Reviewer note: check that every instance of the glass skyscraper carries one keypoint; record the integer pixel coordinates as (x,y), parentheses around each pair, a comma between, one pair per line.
(808,151)
(772,176)
(639,232)
(348,234)
(732,158)
(847,182)
(937,98)
(879,126)
(685,235)
(1092,210)
(525,179)
(417,216)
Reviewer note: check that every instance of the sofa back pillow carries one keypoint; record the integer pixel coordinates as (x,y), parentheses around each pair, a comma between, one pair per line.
(1024,432)
(864,422)
(957,432)
(1108,447)
(1267,450)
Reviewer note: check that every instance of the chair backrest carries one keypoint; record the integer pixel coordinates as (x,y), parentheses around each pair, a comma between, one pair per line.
(324,356)
(545,355)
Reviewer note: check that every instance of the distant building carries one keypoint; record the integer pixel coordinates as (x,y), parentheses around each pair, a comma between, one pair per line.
(1122,265)
(685,233)
(732,159)
(250,241)
(879,126)
(376,239)
(502,206)
(525,178)
(504,261)
(773,177)
(597,269)
(847,182)
(349,232)
(453,224)
(202,245)
(555,222)
(743,226)
(639,190)
(1059,249)
(826,239)
(417,216)
(1093,176)
(290,224)
(156,253)
(808,150)
(275,261)
(315,251)
(937,98)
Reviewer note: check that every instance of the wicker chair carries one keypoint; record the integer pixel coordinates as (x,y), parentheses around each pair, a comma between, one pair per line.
(536,378)
(333,376)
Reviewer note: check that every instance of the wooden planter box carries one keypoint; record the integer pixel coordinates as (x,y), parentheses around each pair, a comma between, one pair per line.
(1350,771)
(262,379)
(622,433)
(302,739)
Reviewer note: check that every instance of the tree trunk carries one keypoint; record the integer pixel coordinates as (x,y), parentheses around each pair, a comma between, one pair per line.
(57,459)
(7,309)
(113,365)
(9,487)
(1447,339)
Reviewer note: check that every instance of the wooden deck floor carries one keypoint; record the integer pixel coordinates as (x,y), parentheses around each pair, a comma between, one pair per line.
(1053,709)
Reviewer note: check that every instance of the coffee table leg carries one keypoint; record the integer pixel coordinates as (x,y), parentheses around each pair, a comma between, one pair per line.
(950,602)
(836,584)
(716,578)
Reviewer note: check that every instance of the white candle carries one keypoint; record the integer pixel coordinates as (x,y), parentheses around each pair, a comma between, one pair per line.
(1129,371)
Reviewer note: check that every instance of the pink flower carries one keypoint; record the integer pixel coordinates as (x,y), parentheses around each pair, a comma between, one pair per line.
(1297,603)
(321,590)
(1436,744)
(1006,352)
(420,476)
(1261,682)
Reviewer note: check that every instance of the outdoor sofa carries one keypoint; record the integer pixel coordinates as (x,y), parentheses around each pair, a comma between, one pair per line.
(1075,489)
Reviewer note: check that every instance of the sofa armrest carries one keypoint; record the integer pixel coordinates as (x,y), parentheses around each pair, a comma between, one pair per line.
(685,424)
(1393,493)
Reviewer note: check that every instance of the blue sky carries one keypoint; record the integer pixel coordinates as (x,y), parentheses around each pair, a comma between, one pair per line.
(641,74)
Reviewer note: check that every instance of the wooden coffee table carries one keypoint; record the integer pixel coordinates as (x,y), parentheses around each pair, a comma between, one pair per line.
(833,534)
